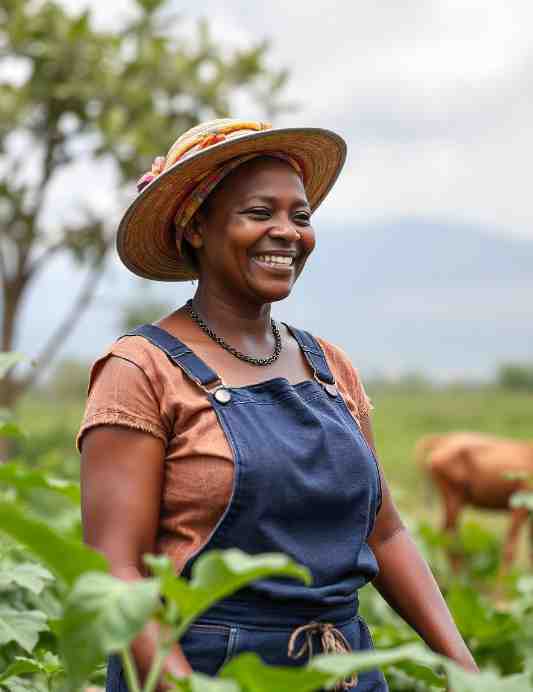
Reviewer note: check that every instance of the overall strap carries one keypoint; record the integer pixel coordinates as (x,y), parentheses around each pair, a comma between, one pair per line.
(314,354)
(180,354)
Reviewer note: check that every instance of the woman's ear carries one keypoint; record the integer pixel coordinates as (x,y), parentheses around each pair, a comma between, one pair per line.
(193,233)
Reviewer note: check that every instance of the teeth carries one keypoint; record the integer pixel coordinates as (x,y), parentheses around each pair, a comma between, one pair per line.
(275,259)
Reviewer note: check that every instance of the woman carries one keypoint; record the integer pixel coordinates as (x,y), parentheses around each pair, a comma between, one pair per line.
(219,427)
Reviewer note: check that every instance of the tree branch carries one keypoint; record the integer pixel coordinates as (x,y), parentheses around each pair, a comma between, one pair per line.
(3,269)
(68,323)
(45,255)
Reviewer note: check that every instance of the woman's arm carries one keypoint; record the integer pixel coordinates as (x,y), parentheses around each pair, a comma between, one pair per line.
(406,582)
(121,481)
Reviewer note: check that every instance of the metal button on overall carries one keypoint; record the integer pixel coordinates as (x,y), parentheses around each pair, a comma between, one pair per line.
(222,395)
(331,389)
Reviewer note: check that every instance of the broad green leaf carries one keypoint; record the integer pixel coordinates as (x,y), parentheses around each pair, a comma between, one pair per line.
(22,666)
(342,665)
(10,429)
(68,559)
(8,360)
(476,617)
(25,478)
(422,673)
(27,575)
(197,682)
(16,684)
(249,671)
(217,574)
(21,626)
(252,675)
(102,616)
(461,681)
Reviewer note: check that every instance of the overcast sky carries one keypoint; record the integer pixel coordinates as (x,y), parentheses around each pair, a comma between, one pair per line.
(434,97)
(435,100)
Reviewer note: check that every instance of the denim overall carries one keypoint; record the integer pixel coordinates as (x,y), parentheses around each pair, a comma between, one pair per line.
(306,484)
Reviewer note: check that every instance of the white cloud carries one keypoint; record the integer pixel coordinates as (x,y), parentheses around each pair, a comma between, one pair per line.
(433,97)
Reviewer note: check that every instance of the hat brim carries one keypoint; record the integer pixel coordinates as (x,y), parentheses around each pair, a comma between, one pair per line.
(145,238)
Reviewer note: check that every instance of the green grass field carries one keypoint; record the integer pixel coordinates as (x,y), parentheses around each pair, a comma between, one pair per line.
(401,416)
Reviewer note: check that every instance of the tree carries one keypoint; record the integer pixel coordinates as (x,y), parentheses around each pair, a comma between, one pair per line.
(122,96)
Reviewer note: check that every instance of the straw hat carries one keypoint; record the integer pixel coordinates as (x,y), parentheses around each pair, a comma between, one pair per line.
(146,239)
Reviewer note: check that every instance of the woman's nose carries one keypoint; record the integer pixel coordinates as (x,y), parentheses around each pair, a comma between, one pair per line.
(285,229)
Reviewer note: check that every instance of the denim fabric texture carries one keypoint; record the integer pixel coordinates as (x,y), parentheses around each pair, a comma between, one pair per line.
(208,645)
(306,484)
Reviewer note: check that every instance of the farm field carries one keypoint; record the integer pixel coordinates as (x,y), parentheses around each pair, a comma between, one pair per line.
(494,616)
(402,415)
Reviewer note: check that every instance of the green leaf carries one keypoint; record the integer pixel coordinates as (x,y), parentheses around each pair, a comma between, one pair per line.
(252,675)
(22,627)
(102,616)
(24,478)
(16,684)
(249,671)
(422,673)
(461,681)
(22,666)
(8,360)
(68,559)
(343,665)
(477,619)
(217,574)
(28,575)
(197,682)
(10,429)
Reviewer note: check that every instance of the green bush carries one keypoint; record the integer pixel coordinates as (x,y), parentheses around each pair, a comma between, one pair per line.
(515,376)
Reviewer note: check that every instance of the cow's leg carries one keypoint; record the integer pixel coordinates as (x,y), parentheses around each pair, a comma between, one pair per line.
(453,500)
(531,537)
(518,518)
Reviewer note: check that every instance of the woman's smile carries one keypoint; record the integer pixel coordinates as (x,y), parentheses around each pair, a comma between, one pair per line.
(282,263)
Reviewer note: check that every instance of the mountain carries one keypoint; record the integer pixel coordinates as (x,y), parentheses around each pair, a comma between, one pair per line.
(399,296)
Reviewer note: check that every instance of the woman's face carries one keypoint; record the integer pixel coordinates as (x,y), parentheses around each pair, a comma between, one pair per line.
(254,237)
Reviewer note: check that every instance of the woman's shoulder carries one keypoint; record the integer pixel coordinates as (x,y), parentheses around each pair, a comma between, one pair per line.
(134,356)
(335,353)
(347,377)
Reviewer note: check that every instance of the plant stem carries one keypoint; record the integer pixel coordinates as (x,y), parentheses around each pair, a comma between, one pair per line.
(130,671)
(155,668)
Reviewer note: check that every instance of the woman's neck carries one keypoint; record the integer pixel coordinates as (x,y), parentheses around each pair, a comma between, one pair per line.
(229,317)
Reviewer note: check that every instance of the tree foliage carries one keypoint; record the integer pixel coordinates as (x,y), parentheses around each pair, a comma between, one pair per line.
(70,90)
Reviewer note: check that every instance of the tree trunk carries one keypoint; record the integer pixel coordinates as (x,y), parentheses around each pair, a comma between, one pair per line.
(9,387)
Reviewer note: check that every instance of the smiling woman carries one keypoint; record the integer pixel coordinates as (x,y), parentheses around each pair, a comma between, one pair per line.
(219,427)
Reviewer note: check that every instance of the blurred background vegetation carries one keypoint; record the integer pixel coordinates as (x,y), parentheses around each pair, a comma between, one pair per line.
(69,91)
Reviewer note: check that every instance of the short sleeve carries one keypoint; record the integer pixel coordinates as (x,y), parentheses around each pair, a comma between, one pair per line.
(121,393)
(362,400)
(348,379)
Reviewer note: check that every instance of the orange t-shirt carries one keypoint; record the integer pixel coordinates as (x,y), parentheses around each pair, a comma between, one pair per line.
(135,384)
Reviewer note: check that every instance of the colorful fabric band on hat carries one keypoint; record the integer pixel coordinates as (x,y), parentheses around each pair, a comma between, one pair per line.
(195,140)
(208,182)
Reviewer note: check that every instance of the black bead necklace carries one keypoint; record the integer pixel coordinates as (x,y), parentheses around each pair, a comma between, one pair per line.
(220,341)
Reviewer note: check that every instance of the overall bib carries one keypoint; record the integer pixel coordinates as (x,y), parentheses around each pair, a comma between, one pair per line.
(306,484)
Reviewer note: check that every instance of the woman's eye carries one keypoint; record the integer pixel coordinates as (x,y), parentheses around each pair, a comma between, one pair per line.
(303,218)
(263,213)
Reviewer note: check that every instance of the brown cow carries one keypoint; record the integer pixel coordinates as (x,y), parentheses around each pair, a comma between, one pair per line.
(482,471)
